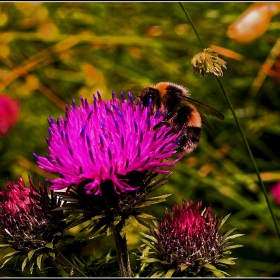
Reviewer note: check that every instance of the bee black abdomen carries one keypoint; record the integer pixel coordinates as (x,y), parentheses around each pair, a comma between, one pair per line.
(189,139)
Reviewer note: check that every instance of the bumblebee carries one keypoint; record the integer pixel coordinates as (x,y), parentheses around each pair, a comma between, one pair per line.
(180,112)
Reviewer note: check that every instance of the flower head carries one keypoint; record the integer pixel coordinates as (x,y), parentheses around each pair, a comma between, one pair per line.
(25,212)
(207,62)
(9,113)
(188,243)
(26,220)
(106,141)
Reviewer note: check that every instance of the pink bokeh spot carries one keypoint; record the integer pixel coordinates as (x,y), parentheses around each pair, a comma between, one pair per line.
(275,192)
(9,113)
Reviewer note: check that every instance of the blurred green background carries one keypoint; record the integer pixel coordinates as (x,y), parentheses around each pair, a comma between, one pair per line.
(51,53)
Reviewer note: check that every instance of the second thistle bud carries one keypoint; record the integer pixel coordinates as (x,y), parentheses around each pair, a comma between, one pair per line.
(189,243)
(208,62)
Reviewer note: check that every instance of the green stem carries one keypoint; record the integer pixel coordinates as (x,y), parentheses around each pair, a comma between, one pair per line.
(240,128)
(66,265)
(122,253)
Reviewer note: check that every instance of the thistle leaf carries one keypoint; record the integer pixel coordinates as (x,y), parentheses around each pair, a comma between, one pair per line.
(228,261)
(39,261)
(31,268)
(232,247)
(149,237)
(223,221)
(95,231)
(132,221)
(149,244)
(234,236)
(4,246)
(159,197)
(170,272)
(49,245)
(228,233)
(157,274)
(146,216)
(25,261)
(77,222)
(149,203)
(142,222)
(216,272)
(6,261)
(183,267)
(30,254)
(11,254)
(151,260)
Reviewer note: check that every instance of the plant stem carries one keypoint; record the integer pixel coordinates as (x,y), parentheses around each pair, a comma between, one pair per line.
(241,130)
(66,265)
(122,253)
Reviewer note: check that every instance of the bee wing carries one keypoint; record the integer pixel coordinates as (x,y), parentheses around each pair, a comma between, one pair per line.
(202,108)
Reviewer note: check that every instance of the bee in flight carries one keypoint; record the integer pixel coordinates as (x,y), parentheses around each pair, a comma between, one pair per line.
(181,112)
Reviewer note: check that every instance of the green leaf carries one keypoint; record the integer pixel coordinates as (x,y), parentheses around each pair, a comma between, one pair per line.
(228,261)
(150,260)
(6,261)
(97,217)
(31,268)
(232,247)
(11,254)
(183,267)
(117,219)
(159,197)
(146,216)
(228,233)
(25,261)
(77,222)
(170,272)
(148,203)
(210,266)
(39,261)
(5,246)
(95,231)
(51,254)
(153,200)
(149,244)
(131,220)
(223,221)
(152,238)
(157,274)
(31,253)
(234,236)
(142,222)
(49,245)
(216,272)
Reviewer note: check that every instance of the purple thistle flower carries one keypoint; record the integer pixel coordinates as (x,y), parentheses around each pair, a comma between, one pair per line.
(106,141)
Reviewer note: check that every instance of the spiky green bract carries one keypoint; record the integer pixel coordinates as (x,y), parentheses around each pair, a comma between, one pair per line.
(27,222)
(101,214)
(188,244)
